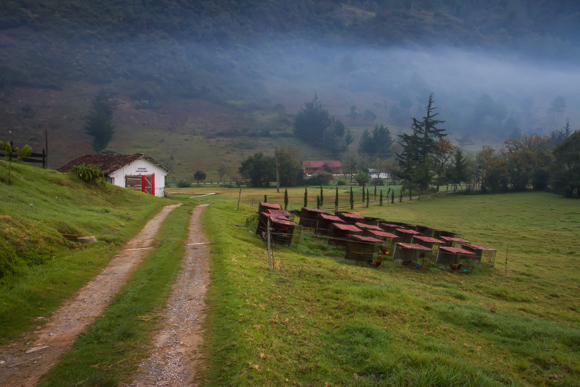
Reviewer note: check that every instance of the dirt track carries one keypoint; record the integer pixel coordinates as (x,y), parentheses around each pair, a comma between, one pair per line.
(174,357)
(25,369)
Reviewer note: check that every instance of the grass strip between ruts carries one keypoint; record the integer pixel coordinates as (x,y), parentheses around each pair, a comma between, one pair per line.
(110,351)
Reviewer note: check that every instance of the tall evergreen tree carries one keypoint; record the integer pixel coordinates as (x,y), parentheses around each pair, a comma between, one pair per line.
(318,202)
(363,194)
(393,197)
(368,198)
(286,199)
(305,197)
(336,200)
(458,172)
(381,198)
(321,197)
(414,161)
(99,123)
(265,199)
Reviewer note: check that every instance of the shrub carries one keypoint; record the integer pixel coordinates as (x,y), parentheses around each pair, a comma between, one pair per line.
(341,182)
(321,178)
(89,173)
(183,184)
(377,181)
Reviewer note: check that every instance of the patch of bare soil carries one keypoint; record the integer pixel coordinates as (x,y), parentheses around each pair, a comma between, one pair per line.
(25,363)
(175,354)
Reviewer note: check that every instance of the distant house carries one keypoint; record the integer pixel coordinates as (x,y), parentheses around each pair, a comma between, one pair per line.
(139,171)
(376,174)
(311,167)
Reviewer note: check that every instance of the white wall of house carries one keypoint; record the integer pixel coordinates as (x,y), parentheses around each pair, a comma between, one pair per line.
(140,167)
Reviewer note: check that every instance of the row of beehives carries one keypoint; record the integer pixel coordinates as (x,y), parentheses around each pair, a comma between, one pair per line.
(366,237)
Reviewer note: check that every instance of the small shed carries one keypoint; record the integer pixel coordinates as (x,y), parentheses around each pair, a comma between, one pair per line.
(441,233)
(456,256)
(389,227)
(282,230)
(361,248)
(339,233)
(483,253)
(454,242)
(406,235)
(409,254)
(263,221)
(364,226)
(324,222)
(426,241)
(387,238)
(427,231)
(309,217)
(138,171)
(349,217)
(265,207)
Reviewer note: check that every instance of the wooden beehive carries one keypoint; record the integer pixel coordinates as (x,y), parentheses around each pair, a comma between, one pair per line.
(264,207)
(387,238)
(309,216)
(263,221)
(361,248)
(339,233)
(410,254)
(426,241)
(457,256)
(406,235)
(349,217)
(441,233)
(483,253)
(324,222)
(389,227)
(364,226)
(282,230)
(427,231)
(454,242)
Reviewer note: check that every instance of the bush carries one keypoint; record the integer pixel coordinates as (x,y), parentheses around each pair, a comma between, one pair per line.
(341,182)
(183,184)
(377,181)
(89,173)
(322,178)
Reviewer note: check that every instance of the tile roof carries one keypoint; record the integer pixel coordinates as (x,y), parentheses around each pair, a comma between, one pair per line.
(109,163)
(366,239)
(479,247)
(283,221)
(331,218)
(346,227)
(456,250)
(280,212)
(411,232)
(450,239)
(383,234)
(368,226)
(413,246)
(351,215)
(427,239)
(321,163)
(271,206)
(389,225)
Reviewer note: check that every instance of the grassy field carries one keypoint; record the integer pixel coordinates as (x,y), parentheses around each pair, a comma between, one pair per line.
(38,267)
(110,352)
(319,320)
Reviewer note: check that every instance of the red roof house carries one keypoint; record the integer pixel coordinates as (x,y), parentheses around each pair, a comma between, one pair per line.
(311,167)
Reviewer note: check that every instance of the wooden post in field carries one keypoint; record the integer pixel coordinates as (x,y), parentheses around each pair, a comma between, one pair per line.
(239,197)
(269,250)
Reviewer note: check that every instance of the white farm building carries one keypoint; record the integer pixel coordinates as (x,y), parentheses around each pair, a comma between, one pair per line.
(139,171)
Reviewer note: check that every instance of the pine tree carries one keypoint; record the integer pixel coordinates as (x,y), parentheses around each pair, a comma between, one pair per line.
(318,202)
(351,199)
(393,197)
(336,200)
(458,172)
(401,196)
(265,199)
(286,199)
(375,192)
(321,197)
(381,198)
(99,122)
(363,193)
(305,197)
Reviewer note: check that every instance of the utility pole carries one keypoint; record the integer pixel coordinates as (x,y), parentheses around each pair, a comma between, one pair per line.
(277,174)
(269,250)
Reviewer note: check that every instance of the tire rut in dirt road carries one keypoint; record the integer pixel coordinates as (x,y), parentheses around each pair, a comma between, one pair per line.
(24,369)
(173,360)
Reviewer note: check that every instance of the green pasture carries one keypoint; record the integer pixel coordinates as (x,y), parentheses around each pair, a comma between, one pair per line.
(38,267)
(319,320)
